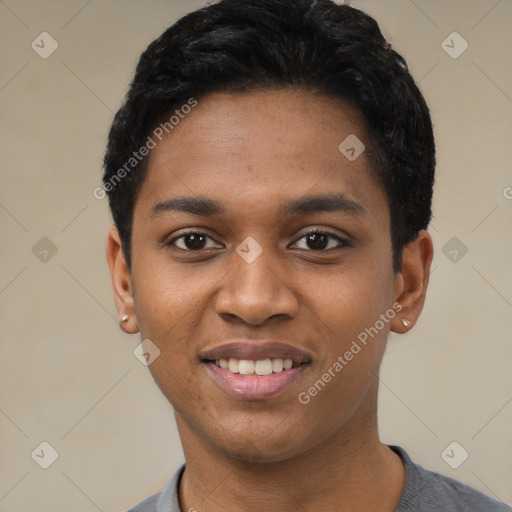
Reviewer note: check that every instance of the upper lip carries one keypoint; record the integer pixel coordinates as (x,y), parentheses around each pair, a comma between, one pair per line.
(256,350)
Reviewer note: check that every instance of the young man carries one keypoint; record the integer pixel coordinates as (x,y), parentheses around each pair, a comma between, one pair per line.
(270,177)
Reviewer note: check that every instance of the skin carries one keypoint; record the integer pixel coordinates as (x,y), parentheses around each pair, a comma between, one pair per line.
(252,152)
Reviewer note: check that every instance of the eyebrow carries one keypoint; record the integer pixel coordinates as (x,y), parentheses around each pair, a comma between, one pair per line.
(203,206)
(323,203)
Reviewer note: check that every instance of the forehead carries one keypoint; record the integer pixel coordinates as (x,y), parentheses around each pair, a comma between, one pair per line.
(252,150)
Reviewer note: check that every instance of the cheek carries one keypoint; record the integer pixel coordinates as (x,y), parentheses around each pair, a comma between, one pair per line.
(354,339)
(354,315)
(166,298)
(169,309)
(354,299)
(171,306)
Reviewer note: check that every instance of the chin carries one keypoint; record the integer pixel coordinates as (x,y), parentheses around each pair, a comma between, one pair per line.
(264,445)
(255,455)
(264,436)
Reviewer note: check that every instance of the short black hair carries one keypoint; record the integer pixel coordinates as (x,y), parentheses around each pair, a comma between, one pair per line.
(249,45)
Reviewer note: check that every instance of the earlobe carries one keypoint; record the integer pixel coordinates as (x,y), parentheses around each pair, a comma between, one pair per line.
(412,282)
(121,282)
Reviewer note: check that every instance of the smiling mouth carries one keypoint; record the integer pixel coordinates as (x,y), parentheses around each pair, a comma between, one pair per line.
(255,368)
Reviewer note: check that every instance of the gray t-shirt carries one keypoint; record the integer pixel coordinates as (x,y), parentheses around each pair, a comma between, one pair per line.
(424,491)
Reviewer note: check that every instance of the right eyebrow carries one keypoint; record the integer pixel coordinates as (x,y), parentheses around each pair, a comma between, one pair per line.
(199,205)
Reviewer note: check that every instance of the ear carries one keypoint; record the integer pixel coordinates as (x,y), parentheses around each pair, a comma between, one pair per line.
(121,282)
(412,282)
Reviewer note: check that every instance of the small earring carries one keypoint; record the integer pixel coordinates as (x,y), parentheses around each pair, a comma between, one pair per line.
(124,318)
(406,322)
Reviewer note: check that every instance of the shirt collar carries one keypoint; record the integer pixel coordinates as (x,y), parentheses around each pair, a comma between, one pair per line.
(168,499)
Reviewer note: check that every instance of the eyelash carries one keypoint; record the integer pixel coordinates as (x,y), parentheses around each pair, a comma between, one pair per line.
(343,242)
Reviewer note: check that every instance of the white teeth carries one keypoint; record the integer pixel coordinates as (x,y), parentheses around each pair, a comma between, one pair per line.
(277,365)
(233,365)
(246,367)
(263,367)
(250,367)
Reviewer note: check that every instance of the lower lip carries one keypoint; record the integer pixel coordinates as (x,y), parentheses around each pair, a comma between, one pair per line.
(253,387)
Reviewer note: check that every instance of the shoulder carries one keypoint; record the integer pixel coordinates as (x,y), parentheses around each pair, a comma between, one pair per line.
(445,490)
(148,505)
(428,491)
(166,501)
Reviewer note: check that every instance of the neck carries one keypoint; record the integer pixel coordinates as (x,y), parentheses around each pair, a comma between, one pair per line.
(349,471)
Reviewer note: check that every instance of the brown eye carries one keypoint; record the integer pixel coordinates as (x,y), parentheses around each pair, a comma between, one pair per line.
(191,242)
(322,240)
(317,241)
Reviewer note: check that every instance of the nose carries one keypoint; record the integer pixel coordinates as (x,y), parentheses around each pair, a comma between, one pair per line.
(257,291)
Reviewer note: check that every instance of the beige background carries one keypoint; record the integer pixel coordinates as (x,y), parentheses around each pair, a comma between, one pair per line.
(68,374)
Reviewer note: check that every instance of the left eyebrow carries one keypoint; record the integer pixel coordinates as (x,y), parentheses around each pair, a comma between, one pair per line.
(305,205)
(322,203)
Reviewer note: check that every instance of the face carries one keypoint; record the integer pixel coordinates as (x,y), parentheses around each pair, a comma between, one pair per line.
(278,251)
